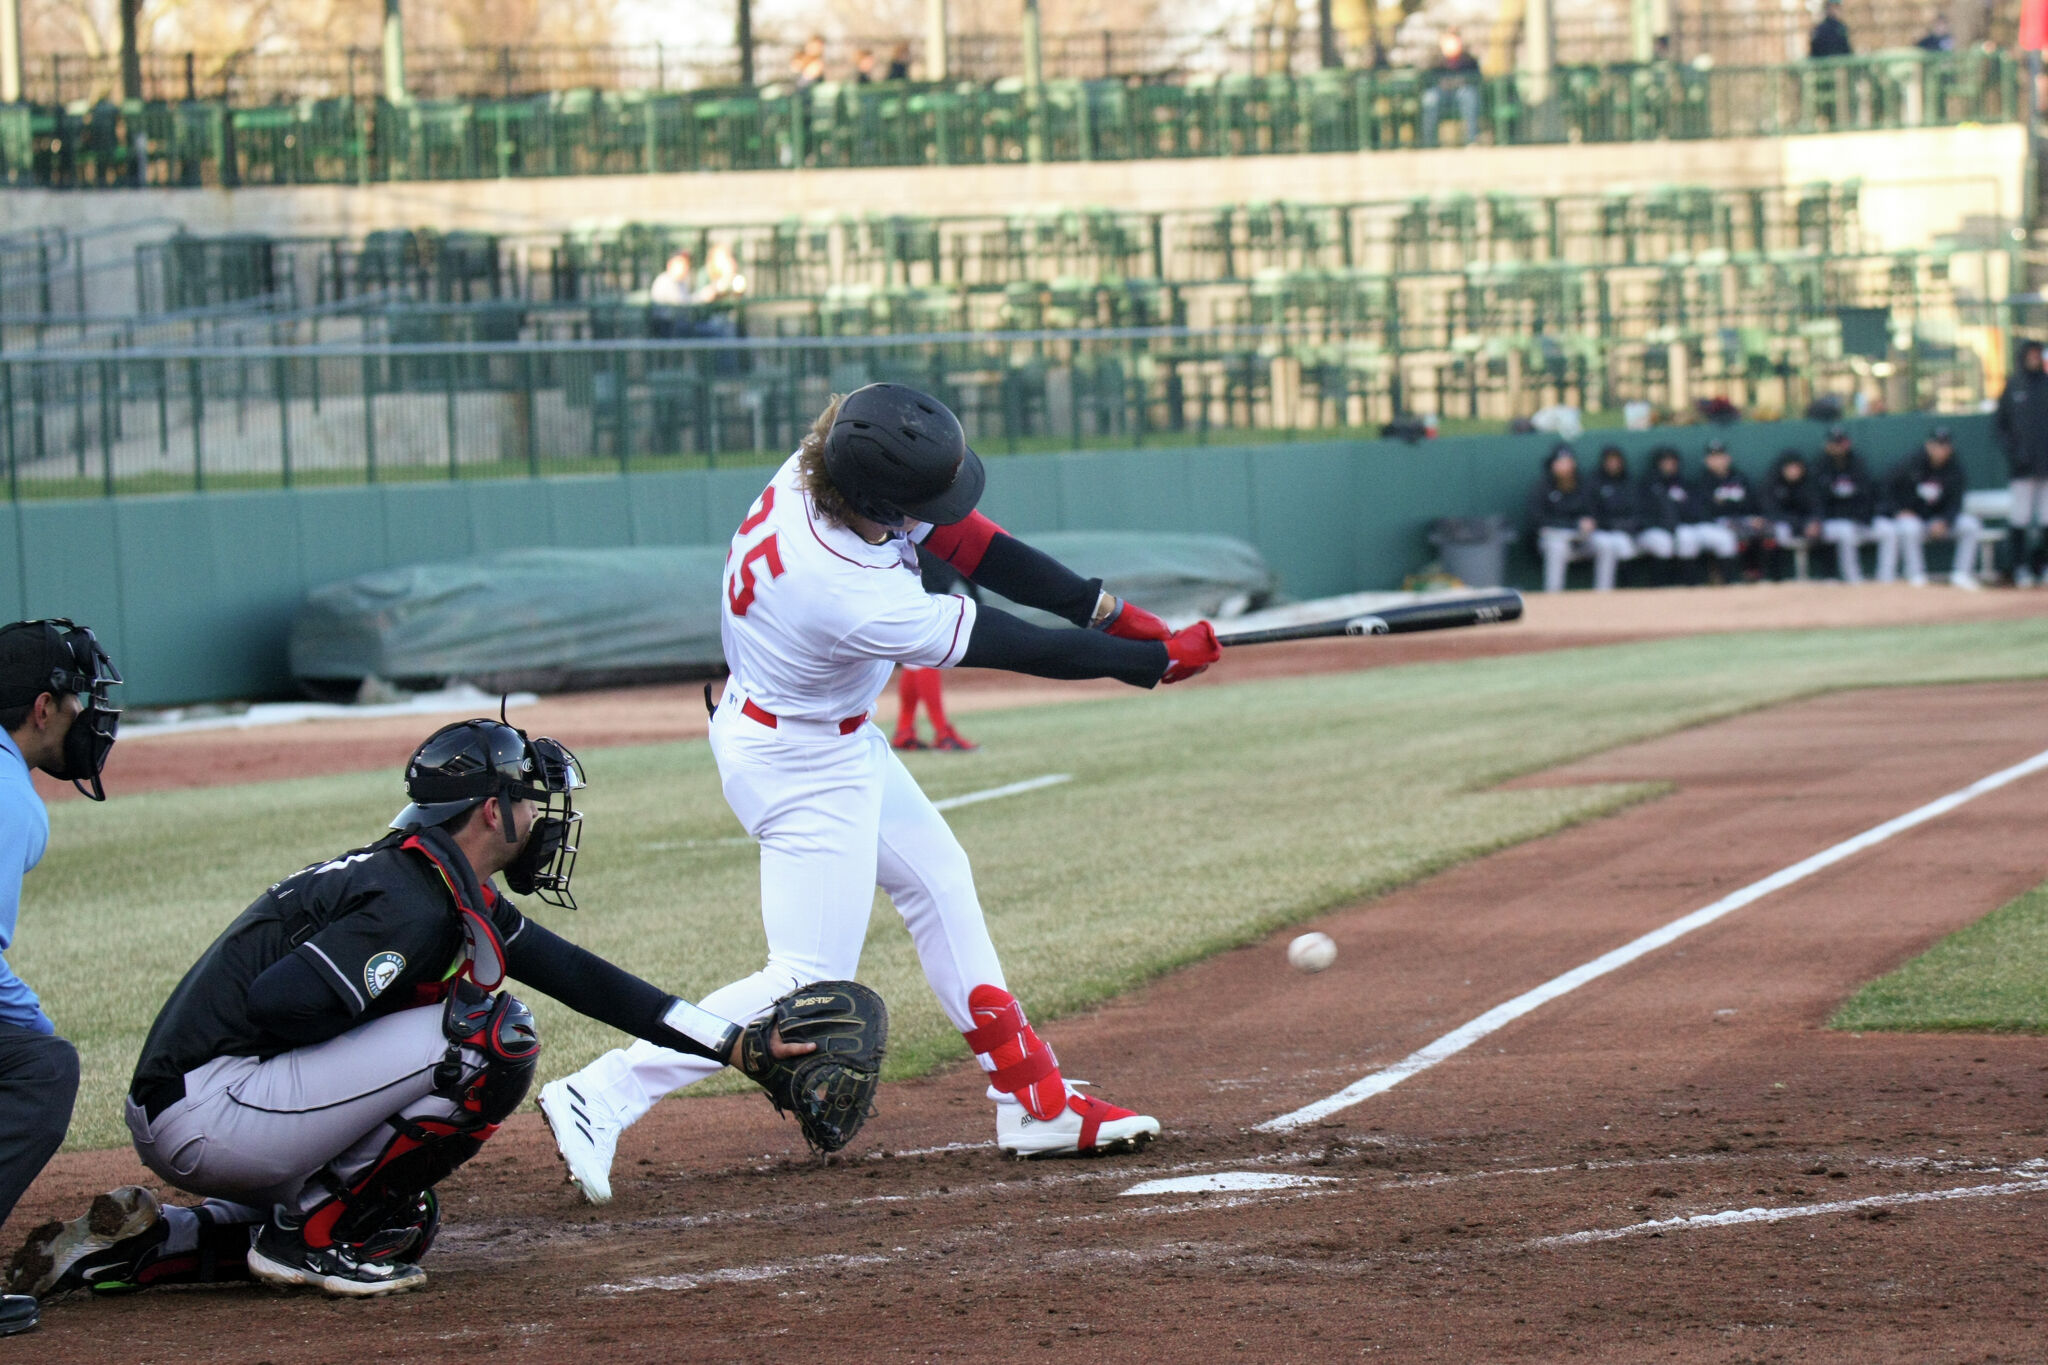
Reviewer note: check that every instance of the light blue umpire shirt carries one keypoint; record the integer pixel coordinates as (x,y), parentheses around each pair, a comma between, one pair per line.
(24,834)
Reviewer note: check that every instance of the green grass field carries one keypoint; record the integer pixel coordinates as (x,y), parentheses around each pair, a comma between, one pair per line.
(1196,820)
(1990,977)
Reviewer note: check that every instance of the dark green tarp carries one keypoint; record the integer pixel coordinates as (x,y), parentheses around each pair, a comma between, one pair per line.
(554,619)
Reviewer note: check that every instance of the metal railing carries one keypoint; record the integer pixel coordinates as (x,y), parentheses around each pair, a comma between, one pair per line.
(343,141)
(1730,37)
(94,423)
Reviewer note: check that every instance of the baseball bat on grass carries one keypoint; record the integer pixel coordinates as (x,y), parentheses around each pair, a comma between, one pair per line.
(1444,613)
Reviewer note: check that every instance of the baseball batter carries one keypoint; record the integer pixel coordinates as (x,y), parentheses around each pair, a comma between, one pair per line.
(822,600)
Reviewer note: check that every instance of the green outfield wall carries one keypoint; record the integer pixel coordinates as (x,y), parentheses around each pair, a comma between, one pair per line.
(194,593)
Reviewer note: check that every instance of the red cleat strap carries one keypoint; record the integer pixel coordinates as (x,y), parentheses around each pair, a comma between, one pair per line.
(1030,1071)
(999,1030)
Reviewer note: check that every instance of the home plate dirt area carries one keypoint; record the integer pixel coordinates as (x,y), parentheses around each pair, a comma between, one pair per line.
(1675,1160)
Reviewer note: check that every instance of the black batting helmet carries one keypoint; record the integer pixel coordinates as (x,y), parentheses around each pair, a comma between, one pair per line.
(894,453)
(463,765)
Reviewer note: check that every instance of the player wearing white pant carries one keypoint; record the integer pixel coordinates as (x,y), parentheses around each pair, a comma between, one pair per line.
(1677,522)
(1849,516)
(1927,488)
(823,600)
(1561,509)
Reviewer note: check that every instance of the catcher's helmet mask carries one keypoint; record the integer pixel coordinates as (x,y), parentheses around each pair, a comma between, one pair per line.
(463,765)
(64,658)
(895,454)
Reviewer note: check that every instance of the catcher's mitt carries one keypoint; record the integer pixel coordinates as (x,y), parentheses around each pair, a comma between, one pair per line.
(831,1091)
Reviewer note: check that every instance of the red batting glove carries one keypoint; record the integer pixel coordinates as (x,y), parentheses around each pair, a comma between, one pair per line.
(1191,651)
(1133,622)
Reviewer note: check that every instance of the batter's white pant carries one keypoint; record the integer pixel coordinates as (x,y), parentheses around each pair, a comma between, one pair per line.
(836,815)
(1966,530)
(1846,536)
(1561,545)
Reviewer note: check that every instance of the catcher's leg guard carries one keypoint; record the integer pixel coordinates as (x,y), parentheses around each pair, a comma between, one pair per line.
(387,1210)
(1024,1066)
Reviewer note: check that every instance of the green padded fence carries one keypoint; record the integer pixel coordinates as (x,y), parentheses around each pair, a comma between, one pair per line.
(832,124)
(194,594)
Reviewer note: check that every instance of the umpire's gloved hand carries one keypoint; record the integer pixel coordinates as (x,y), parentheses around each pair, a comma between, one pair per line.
(1191,651)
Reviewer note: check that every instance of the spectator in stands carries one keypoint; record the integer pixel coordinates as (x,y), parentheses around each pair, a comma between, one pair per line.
(899,62)
(671,294)
(1849,516)
(1939,37)
(1792,502)
(1725,496)
(1617,516)
(1561,514)
(1671,518)
(2022,426)
(864,66)
(807,67)
(1455,76)
(1927,491)
(1830,36)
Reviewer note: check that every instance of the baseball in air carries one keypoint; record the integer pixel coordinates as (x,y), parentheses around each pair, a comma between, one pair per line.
(1312,952)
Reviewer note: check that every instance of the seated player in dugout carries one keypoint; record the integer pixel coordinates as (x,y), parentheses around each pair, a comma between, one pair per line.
(343,1046)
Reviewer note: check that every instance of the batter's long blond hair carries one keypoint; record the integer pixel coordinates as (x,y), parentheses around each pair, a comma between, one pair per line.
(825,496)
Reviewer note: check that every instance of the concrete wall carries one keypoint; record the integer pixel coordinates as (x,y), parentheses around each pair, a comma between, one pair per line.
(1979,170)
(194,595)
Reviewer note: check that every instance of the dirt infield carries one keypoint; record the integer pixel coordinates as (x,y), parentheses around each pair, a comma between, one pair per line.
(1500,1205)
(644,715)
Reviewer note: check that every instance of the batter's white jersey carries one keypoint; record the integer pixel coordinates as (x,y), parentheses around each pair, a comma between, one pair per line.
(816,618)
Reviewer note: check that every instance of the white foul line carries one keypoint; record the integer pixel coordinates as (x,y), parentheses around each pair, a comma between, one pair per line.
(1029,784)
(1458,1039)
(1731,1217)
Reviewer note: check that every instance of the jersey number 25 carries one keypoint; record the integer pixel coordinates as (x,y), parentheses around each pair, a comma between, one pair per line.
(739,589)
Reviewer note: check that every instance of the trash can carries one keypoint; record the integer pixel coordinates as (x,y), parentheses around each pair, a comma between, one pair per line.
(1473,549)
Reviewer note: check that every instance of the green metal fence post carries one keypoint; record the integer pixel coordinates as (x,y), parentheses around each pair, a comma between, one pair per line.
(196,401)
(281,382)
(529,410)
(454,454)
(106,427)
(7,406)
(369,419)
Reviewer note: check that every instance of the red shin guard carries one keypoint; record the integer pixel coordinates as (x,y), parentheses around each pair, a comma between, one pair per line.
(1024,1066)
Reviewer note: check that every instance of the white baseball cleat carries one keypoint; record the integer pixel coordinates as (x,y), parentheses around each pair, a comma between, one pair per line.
(1086,1127)
(586,1134)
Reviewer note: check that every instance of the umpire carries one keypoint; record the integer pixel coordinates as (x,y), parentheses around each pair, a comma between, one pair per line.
(340,1050)
(53,691)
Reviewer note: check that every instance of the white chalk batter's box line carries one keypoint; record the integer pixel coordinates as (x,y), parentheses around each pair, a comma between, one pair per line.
(2033,1184)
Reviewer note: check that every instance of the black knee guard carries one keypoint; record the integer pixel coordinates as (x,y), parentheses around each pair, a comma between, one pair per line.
(389,1212)
(499,1030)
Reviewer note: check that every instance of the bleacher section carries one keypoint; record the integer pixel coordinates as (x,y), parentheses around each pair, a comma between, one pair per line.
(591,132)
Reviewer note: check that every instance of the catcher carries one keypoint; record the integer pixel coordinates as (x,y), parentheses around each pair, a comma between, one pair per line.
(344,1045)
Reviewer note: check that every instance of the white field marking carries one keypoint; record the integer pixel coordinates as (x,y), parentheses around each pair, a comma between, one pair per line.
(737,1274)
(1733,1217)
(1458,1039)
(1029,784)
(1229,1180)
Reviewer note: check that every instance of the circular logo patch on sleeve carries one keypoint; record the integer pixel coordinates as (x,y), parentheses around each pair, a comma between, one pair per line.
(381,970)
